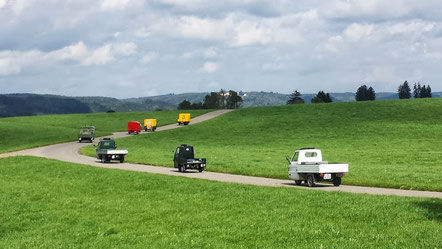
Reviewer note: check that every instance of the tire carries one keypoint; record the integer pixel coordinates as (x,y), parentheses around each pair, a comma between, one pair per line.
(102,159)
(122,159)
(200,169)
(311,180)
(183,169)
(298,182)
(179,123)
(337,181)
(79,140)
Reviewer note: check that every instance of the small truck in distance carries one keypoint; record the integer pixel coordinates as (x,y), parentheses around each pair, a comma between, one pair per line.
(86,133)
(184,159)
(150,124)
(106,150)
(183,118)
(133,127)
(306,165)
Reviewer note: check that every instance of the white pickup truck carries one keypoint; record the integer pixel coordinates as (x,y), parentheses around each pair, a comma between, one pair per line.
(306,165)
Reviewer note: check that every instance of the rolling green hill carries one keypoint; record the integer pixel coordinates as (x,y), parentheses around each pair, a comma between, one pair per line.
(51,204)
(394,143)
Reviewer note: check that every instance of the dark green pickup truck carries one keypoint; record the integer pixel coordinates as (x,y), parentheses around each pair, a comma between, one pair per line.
(86,133)
(106,150)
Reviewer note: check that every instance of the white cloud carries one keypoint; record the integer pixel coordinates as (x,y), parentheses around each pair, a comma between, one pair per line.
(211,52)
(274,67)
(12,62)
(210,67)
(3,3)
(113,4)
(149,57)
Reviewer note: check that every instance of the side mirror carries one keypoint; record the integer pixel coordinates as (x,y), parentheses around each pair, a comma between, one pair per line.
(287,158)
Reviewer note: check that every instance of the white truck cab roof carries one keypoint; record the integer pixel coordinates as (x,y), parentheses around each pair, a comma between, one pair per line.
(309,155)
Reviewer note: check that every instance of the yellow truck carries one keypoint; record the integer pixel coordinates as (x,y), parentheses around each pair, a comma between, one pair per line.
(150,124)
(184,118)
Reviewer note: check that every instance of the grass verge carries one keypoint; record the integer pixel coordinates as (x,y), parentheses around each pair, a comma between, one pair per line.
(50,204)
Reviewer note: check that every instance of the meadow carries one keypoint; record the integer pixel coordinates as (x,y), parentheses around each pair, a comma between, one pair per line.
(26,132)
(394,144)
(50,204)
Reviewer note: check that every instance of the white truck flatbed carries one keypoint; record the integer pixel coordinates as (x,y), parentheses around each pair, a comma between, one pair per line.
(117,152)
(307,165)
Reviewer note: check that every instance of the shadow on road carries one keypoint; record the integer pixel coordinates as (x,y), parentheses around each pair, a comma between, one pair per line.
(305,186)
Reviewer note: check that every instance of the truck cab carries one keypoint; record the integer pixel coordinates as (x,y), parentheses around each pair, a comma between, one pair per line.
(307,165)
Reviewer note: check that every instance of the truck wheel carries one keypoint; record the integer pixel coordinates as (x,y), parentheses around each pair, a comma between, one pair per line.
(337,181)
(79,140)
(298,182)
(200,169)
(179,123)
(122,159)
(103,160)
(311,180)
(183,169)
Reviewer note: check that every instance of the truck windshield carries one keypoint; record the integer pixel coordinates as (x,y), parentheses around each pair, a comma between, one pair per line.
(108,145)
(186,153)
(295,156)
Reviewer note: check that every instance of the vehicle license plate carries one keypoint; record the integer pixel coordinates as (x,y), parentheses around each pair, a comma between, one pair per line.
(327,176)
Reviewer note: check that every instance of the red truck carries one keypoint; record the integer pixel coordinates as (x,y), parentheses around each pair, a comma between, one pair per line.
(133,127)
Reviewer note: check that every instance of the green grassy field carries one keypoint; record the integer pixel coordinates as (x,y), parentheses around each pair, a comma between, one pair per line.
(395,144)
(27,132)
(50,204)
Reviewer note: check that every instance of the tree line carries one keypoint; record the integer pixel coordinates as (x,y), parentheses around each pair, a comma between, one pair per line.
(364,93)
(215,100)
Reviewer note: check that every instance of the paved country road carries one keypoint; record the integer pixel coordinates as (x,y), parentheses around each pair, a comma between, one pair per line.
(68,152)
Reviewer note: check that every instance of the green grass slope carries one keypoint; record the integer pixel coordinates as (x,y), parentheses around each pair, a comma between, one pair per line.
(27,132)
(395,143)
(50,204)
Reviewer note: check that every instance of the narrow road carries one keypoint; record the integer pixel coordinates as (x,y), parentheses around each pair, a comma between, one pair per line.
(68,152)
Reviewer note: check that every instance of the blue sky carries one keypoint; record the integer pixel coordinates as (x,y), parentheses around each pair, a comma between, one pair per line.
(134,48)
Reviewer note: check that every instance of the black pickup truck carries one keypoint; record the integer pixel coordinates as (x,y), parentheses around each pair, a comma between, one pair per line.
(184,159)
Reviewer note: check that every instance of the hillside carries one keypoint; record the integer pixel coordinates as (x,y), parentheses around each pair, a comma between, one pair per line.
(394,143)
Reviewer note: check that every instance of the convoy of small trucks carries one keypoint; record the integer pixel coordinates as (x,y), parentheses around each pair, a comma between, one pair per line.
(305,165)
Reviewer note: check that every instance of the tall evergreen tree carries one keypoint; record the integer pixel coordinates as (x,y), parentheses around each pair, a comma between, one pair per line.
(429,94)
(321,97)
(295,98)
(417,90)
(371,94)
(404,91)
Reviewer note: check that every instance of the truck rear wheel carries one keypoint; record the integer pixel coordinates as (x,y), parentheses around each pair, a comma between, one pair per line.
(200,169)
(298,182)
(311,180)
(103,160)
(122,159)
(337,181)
(183,168)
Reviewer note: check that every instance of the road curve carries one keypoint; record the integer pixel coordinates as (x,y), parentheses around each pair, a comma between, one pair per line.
(68,152)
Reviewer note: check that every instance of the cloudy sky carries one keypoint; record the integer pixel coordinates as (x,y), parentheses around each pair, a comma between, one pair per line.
(134,48)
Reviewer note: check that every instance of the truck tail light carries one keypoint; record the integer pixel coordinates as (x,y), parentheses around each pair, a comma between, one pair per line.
(321,175)
(344,174)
